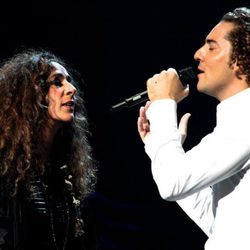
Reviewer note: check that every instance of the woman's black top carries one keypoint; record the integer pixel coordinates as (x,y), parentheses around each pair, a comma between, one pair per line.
(42,216)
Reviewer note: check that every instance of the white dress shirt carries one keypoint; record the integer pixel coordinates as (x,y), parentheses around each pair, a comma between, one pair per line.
(211,182)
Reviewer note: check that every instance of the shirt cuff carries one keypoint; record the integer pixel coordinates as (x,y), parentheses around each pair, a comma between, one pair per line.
(162,114)
(162,117)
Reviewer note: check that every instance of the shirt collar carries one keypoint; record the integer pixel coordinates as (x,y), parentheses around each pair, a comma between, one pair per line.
(234,109)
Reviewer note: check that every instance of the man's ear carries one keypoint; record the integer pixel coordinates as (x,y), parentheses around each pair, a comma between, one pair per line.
(234,65)
(237,70)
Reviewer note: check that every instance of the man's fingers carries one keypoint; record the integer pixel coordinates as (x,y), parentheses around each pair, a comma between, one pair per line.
(183,124)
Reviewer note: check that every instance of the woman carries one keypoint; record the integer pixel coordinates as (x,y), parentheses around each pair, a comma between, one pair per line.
(46,168)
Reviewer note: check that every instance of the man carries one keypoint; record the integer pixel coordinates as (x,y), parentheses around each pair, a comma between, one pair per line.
(211,182)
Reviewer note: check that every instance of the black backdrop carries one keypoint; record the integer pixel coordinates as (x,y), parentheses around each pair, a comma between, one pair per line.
(116,46)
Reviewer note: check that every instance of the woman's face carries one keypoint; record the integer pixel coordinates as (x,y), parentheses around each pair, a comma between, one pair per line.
(60,96)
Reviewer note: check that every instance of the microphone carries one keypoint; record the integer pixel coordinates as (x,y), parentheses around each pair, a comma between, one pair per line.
(186,75)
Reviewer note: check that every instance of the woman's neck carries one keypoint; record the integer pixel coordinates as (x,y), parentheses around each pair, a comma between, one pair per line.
(49,137)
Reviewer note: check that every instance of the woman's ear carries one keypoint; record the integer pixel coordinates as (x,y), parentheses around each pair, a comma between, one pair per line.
(47,99)
(46,102)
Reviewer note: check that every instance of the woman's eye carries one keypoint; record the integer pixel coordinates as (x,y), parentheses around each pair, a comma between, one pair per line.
(69,79)
(57,82)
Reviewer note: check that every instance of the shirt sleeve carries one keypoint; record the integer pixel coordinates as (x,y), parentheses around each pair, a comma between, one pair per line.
(179,174)
(199,207)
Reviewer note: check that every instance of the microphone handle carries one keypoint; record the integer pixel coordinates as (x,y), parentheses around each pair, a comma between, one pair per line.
(131,101)
(185,75)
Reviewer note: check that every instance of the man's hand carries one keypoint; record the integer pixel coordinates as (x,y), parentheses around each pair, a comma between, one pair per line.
(144,127)
(166,85)
(143,123)
(183,124)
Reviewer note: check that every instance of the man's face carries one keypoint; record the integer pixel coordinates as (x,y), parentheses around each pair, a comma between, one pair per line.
(216,76)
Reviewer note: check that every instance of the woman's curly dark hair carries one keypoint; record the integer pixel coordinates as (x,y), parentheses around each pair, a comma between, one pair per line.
(23,87)
(240,39)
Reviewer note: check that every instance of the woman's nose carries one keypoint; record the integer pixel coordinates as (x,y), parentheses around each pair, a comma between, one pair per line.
(70,89)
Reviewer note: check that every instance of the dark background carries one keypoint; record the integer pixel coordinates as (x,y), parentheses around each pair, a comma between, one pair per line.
(117,46)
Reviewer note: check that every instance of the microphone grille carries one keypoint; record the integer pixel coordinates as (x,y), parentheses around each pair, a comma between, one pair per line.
(186,75)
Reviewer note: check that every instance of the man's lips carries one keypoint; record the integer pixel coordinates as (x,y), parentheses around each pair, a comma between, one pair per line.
(200,71)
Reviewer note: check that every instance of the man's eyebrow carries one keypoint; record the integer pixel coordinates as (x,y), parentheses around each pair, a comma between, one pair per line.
(209,41)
